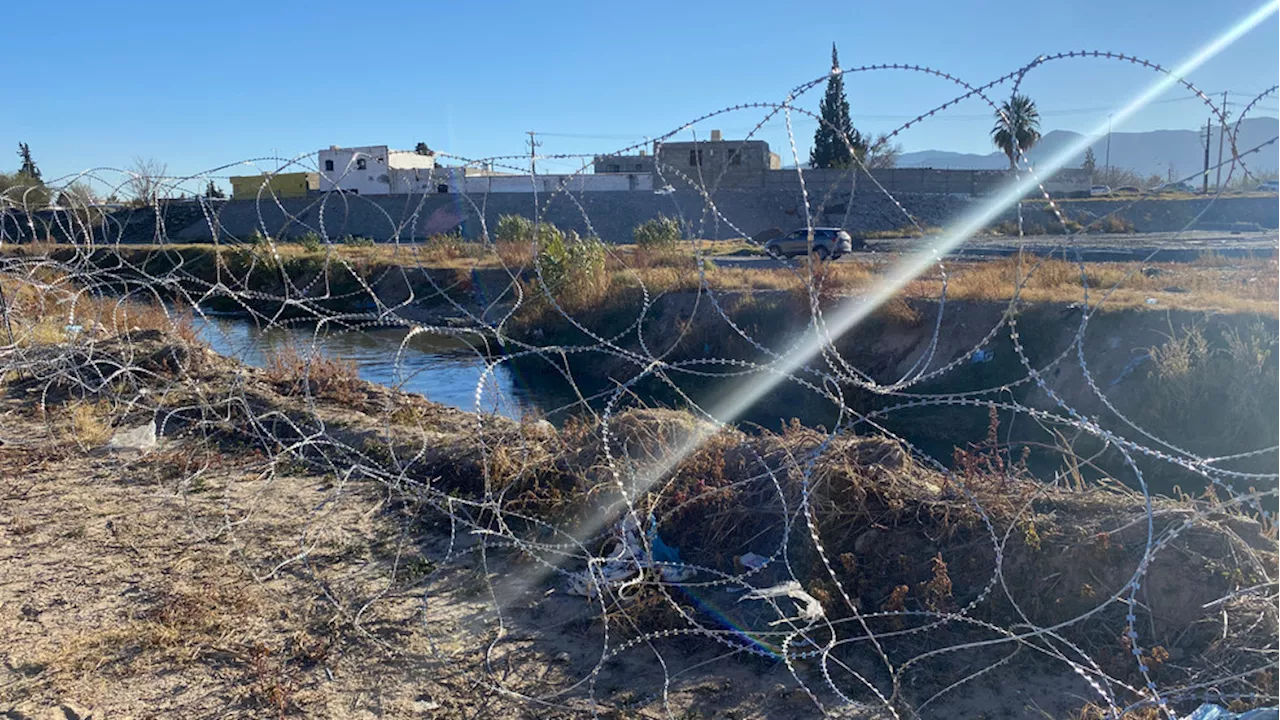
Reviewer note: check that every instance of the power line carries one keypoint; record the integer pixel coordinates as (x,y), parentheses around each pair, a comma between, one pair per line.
(533,151)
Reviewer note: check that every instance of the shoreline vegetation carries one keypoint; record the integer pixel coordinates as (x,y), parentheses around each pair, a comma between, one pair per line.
(614,272)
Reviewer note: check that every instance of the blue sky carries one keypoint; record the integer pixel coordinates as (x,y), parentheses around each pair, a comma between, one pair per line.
(199,85)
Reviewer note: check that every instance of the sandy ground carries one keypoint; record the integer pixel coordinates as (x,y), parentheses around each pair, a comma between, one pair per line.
(181,583)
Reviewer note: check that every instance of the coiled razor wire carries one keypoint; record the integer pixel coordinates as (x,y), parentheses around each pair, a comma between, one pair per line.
(840,655)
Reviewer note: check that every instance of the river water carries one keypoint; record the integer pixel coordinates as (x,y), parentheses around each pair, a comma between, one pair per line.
(443,369)
(448,370)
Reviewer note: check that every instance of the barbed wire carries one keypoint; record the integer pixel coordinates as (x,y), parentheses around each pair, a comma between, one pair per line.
(803,586)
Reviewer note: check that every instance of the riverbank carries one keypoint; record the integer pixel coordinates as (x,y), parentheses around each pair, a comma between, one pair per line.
(299,541)
(1179,349)
(467,276)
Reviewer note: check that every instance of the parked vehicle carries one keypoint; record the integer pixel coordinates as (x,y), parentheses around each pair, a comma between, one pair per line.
(1127,190)
(1099,190)
(1270,186)
(1175,187)
(827,243)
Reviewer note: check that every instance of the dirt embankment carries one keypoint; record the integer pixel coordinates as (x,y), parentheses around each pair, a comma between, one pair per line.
(341,550)
(1204,381)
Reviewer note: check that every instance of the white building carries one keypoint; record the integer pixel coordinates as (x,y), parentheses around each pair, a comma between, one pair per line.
(376,170)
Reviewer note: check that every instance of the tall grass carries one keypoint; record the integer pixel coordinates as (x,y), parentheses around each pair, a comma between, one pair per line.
(1215,391)
(310,372)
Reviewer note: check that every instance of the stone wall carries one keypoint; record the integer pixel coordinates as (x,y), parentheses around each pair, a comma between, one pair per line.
(608,215)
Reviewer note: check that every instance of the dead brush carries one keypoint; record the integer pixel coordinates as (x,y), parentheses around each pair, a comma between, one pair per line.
(89,423)
(448,247)
(1213,391)
(272,683)
(311,372)
(184,624)
(990,473)
(51,308)
(515,255)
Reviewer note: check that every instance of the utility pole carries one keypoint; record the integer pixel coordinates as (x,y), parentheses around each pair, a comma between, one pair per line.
(1108,163)
(533,152)
(1221,136)
(1208,125)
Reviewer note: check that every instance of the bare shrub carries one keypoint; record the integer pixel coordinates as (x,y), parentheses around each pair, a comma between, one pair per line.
(311,372)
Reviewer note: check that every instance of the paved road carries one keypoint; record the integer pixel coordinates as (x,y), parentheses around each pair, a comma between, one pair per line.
(1156,247)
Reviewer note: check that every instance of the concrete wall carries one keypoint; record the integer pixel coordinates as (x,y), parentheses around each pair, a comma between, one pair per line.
(293,184)
(409,159)
(612,182)
(622,164)
(418,181)
(609,215)
(1158,214)
(971,183)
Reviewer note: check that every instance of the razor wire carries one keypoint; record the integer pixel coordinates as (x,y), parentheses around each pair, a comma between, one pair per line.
(841,656)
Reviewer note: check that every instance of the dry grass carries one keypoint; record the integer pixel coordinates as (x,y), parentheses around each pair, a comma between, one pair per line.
(184,624)
(89,424)
(1246,285)
(1213,283)
(311,372)
(50,308)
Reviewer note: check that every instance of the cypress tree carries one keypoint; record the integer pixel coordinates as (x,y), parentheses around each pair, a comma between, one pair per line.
(829,140)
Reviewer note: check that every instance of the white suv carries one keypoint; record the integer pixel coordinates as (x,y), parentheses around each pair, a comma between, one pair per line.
(827,243)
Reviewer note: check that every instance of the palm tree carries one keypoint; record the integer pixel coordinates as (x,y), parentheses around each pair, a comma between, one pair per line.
(1017,127)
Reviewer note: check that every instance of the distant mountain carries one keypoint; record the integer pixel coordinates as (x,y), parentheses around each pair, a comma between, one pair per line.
(1147,153)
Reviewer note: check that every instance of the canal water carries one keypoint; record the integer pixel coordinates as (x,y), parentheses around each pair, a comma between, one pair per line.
(443,369)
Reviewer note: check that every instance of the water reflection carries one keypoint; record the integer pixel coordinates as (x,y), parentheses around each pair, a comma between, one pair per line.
(444,369)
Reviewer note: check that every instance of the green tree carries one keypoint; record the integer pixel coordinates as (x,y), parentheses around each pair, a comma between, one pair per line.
(28,165)
(835,137)
(1017,128)
(422,149)
(213,191)
(1090,162)
(23,191)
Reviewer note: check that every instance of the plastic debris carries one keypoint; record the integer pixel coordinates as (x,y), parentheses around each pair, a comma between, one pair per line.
(752,561)
(982,356)
(810,611)
(141,438)
(623,566)
(1209,711)
(1152,301)
(1130,367)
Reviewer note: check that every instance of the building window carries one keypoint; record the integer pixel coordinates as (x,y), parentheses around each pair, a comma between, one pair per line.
(735,158)
(613,168)
(328,166)
(639,166)
(361,164)
(695,158)
(442,188)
